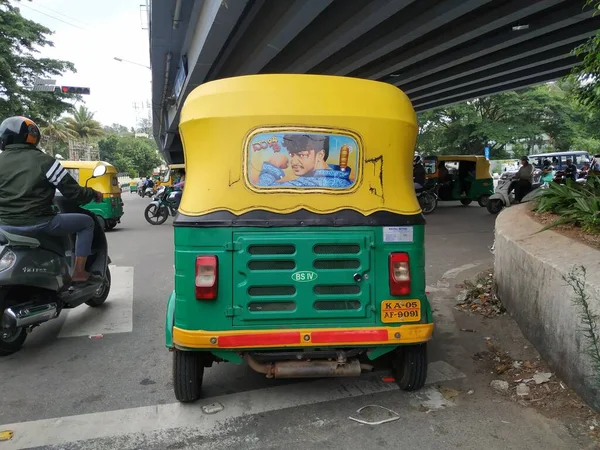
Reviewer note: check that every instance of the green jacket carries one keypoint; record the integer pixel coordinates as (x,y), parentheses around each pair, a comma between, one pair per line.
(28,181)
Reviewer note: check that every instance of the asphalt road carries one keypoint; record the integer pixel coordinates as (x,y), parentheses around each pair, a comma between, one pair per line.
(67,390)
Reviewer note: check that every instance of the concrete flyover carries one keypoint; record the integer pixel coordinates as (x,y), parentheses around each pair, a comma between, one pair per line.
(529,268)
(439,52)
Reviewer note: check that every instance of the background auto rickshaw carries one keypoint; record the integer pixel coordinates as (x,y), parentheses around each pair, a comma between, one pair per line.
(133,185)
(299,238)
(461,178)
(111,208)
(172,174)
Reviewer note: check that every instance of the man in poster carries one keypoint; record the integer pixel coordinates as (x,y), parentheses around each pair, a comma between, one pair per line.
(308,155)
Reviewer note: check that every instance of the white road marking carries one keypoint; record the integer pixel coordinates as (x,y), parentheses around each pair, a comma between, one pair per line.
(114,316)
(453,273)
(108,424)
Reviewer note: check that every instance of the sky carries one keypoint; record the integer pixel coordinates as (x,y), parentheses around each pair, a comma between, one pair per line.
(90,34)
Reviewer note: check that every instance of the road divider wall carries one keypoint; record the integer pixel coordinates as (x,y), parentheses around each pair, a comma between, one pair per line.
(530,268)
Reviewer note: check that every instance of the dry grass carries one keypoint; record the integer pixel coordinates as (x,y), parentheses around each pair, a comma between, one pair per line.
(569,230)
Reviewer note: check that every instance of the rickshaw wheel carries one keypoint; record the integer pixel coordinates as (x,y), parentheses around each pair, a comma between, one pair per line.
(188,371)
(110,224)
(466,201)
(483,200)
(410,366)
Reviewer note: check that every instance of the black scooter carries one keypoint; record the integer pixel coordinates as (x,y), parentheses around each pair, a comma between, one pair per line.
(35,280)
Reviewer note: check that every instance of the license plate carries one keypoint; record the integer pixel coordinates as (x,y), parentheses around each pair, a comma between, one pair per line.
(400,311)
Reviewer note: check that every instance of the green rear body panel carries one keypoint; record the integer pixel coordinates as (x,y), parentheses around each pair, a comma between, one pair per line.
(278,278)
(109,208)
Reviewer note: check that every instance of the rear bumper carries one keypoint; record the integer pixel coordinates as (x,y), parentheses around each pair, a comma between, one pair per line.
(308,337)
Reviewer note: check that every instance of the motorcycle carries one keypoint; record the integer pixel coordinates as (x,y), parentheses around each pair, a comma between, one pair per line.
(35,280)
(428,198)
(147,192)
(165,204)
(501,197)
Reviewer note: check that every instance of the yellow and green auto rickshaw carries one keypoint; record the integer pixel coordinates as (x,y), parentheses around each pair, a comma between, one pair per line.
(299,239)
(173,173)
(133,185)
(111,208)
(461,178)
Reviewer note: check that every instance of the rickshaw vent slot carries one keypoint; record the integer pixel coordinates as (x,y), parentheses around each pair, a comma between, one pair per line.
(271,306)
(337,264)
(337,289)
(272,265)
(336,249)
(337,305)
(258,291)
(271,249)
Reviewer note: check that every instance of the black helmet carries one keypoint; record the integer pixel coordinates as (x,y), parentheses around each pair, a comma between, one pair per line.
(19,130)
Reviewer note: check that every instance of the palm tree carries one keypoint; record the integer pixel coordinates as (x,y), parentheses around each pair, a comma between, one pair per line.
(56,135)
(83,124)
(57,130)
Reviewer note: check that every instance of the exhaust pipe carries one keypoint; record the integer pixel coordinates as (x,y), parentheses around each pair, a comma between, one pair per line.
(308,369)
(22,316)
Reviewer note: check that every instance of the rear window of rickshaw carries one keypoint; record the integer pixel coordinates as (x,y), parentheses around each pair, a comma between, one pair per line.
(302,159)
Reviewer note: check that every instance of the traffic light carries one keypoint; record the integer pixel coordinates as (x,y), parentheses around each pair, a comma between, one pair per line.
(73,90)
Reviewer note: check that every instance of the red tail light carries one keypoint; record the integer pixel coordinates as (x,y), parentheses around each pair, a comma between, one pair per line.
(399,274)
(206,277)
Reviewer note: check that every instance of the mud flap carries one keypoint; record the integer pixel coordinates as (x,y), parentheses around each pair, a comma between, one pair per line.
(170,321)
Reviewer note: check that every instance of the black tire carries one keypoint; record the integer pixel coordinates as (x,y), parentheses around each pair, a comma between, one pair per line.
(110,224)
(494,206)
(410,366)
(428,203)
(466,201)
(12,343)
(156,215)
(102,292)
(188,371)
(483,200)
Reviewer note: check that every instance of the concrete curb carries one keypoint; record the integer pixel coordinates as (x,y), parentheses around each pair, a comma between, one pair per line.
(529,270)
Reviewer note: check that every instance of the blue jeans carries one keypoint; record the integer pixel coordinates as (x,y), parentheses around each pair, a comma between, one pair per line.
(63,225)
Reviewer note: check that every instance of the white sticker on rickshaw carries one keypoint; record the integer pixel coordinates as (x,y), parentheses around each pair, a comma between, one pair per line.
(397,234)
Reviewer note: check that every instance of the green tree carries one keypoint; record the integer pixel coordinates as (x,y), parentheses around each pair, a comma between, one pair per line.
(83,124)
(586,76)
(145,126)
(20,40)
(518,118)
(135,156)
(117,129)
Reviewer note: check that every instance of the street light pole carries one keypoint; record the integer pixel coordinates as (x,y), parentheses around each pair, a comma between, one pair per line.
(130,62)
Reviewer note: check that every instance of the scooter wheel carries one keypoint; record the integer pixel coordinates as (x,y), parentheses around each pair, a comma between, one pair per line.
(156,215)
(12,343)
(494,206)
(101,294)
(428,203)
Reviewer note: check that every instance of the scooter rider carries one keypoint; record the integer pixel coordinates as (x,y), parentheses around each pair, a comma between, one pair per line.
(524,180)
(418,173)
(28,182)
